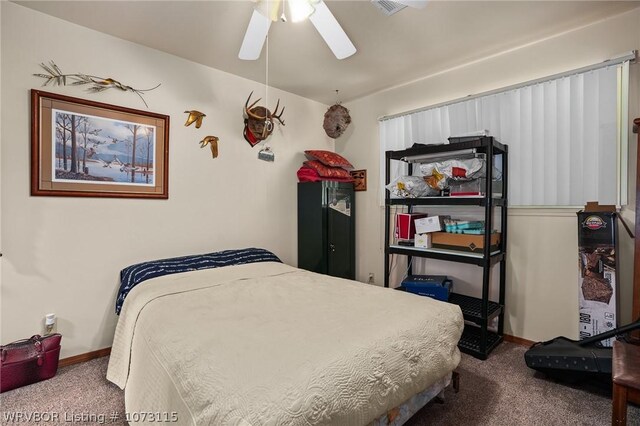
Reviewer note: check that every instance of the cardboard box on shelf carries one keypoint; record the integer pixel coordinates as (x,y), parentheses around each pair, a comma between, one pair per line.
(430,224)
(463,242)
(464,226)
(422,240)
(405,226)
(597,260)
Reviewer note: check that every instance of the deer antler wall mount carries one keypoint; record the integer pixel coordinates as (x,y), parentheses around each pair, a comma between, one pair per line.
(259,122)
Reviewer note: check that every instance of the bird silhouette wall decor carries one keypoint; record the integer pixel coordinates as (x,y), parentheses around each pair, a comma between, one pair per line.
(194,117)
(212,141)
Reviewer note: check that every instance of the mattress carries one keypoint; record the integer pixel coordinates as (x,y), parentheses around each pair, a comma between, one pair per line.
(399,415)
(269,344)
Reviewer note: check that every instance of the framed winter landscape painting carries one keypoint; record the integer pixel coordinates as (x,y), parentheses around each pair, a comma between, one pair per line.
(81,148)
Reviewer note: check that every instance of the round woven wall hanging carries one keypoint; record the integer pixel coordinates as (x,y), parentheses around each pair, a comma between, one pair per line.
(336,120)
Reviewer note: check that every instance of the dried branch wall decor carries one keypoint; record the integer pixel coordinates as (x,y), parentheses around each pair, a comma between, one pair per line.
(336,121)
(55,77)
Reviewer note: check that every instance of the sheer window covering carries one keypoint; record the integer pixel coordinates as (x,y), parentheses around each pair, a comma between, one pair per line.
(563,136)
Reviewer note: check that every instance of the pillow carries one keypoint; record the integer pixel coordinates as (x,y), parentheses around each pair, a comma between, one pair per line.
(133,275)
(329,158)
(328,172)
(307,174)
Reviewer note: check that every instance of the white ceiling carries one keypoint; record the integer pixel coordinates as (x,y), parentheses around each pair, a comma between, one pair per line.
(391,50)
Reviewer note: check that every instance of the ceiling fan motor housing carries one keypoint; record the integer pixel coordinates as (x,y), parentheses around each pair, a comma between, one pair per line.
(388,7)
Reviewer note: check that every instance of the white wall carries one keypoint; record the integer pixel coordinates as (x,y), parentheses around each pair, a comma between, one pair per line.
(64,255)
(542,298)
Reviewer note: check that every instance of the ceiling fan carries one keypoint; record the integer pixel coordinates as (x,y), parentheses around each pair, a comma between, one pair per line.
(267,11)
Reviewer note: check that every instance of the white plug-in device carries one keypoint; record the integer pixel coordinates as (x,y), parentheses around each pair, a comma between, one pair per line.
(49,323)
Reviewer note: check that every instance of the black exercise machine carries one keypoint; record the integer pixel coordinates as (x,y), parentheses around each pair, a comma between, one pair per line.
(575,359)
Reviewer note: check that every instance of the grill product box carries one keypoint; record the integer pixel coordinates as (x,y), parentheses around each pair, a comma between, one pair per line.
(463,242)
(434,286)
(597,280)
(430,224)
(405,226)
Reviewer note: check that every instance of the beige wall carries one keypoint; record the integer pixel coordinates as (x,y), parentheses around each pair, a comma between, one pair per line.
(542,299)
(64,255)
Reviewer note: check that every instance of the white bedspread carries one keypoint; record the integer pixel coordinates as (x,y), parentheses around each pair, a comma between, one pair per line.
(269,344)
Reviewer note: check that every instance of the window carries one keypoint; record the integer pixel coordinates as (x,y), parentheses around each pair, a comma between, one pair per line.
(566,135)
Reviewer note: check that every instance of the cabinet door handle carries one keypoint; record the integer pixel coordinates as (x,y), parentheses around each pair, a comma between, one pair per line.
(332,247)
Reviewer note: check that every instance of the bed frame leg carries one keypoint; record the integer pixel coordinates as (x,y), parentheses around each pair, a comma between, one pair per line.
(455,382)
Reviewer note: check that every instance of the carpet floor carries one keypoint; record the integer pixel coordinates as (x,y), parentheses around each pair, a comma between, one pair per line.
(498,391)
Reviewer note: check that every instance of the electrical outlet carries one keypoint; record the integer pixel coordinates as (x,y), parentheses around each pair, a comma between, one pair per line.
(50,322)
(372,278)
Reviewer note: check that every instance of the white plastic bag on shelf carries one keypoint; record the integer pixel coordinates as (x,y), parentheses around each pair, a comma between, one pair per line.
(410,187)
(438,174)
(466,169)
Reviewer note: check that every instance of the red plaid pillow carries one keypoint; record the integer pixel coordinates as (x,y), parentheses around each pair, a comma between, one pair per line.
(329,158)
(328,172)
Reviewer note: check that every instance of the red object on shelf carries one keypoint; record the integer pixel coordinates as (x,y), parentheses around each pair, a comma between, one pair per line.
(405,227)
(467,194)
(458,172)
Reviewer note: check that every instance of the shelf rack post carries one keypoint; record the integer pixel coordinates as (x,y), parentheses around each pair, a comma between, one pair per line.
(488,226)
(387,214)
(503,228)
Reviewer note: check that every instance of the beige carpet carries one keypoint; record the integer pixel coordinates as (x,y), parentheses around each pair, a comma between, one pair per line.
(499,391)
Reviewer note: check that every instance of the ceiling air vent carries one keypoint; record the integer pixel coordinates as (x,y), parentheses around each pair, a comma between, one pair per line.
(388,7)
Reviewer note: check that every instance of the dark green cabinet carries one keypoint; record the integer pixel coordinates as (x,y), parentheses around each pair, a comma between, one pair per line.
(326,228)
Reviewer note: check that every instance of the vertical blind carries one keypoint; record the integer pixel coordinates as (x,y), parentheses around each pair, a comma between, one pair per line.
(563,136)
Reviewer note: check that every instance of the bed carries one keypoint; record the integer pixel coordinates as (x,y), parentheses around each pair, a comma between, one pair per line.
(264,343)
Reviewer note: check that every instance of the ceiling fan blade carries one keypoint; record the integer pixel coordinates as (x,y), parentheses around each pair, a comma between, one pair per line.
(416,4)
(254,37)
(331,31)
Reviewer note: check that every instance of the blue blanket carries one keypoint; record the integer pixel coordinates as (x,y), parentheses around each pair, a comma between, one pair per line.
(135,274)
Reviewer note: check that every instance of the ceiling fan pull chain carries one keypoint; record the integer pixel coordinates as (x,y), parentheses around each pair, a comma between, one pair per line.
(266,83)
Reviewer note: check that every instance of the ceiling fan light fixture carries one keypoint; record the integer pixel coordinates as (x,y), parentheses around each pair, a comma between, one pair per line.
(299,10)
(267,11)
(269,8)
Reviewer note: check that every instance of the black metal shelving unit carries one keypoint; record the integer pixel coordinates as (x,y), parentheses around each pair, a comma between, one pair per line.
(477,339)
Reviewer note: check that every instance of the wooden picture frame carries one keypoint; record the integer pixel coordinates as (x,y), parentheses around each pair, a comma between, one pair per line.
(635,308)
(360,179)
(82,148)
